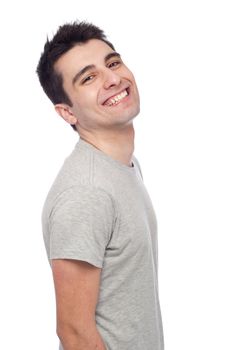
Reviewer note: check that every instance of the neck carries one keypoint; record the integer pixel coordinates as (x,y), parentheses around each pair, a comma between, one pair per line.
(117,144)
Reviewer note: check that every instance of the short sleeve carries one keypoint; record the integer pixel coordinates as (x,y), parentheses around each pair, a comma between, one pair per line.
(81,224)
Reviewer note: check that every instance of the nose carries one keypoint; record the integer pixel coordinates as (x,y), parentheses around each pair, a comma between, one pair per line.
(111,78)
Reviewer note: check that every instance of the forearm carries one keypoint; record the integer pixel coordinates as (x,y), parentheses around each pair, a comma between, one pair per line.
(89,339)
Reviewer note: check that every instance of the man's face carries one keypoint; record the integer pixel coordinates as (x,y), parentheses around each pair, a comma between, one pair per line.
(104,94)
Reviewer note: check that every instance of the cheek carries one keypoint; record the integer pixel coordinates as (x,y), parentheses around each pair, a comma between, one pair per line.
(128,73)
(131,77)
(86,105)
(85,100)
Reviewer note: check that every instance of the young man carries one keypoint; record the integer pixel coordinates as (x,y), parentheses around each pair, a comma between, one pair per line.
(99,225)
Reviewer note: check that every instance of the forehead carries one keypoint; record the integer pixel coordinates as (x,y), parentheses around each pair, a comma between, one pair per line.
(81,55)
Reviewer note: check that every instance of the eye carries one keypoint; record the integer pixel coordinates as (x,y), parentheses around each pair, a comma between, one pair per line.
(88,78)
(114,64)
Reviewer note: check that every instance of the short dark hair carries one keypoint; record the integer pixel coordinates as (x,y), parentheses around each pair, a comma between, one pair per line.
(67,36)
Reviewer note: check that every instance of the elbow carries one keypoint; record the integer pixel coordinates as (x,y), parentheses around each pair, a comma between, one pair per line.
(74,338)
(65,333)
(70,333)
(59,333)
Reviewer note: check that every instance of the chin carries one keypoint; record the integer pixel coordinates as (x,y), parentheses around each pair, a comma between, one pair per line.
(135,111)
(127,118)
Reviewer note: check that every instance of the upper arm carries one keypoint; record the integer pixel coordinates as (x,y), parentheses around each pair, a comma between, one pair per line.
(80,225)
(77,288)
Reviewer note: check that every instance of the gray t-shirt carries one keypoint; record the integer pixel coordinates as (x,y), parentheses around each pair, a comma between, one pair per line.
(98,210)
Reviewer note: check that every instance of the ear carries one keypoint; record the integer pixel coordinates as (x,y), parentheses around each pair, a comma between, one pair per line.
(66,113)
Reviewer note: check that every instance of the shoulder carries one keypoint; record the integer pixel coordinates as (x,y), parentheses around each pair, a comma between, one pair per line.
(83,203)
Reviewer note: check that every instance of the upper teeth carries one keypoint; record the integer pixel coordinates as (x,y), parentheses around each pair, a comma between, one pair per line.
(116,98)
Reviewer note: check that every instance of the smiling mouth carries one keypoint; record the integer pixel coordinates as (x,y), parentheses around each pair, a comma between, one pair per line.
(117,98)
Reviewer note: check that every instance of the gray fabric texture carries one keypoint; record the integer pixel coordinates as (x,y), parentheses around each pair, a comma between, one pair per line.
(98,210)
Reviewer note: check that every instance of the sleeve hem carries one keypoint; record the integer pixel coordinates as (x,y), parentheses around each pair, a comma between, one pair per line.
(91,261)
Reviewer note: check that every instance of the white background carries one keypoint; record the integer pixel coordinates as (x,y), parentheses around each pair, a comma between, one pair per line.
(180,53)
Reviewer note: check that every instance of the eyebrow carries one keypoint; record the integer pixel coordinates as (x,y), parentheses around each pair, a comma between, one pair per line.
(92,66)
